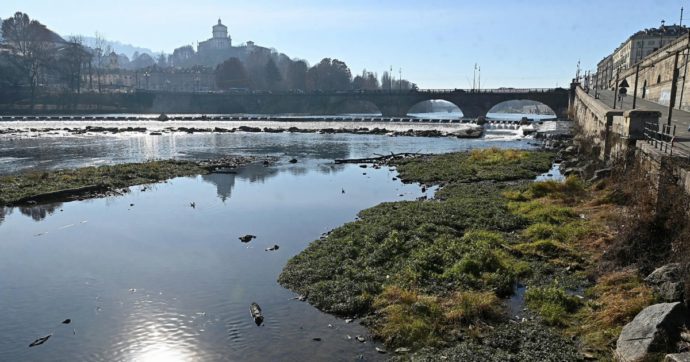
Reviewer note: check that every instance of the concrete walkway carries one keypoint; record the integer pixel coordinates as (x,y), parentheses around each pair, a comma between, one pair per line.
(681,119)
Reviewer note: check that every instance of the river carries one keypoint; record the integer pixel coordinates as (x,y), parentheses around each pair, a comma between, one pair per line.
(147,277)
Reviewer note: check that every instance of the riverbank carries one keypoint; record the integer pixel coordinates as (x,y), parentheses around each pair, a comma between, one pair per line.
(494,267)
(89,182)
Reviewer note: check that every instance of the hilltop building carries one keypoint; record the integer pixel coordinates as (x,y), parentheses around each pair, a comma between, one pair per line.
(219,42)
(213,51)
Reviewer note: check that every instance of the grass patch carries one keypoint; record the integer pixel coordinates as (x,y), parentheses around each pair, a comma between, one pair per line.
(616,299)
(408,318)
(553,303)
(477,165)
(548,248)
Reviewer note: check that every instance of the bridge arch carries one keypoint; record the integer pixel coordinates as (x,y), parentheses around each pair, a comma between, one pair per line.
(435,108)
(518,108)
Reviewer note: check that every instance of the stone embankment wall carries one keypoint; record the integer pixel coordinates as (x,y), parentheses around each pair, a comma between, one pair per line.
(616,138)
(606,133)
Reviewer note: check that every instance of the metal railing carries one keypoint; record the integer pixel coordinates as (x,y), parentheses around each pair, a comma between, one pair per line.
(663,138)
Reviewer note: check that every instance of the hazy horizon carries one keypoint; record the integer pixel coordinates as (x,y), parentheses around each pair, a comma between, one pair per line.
(519,44)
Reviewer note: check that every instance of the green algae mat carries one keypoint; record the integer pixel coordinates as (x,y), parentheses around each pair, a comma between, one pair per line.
(435,273)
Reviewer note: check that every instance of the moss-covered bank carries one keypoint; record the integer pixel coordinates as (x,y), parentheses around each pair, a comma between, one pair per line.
(434,275)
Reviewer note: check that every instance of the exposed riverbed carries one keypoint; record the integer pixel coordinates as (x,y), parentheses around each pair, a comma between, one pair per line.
(146,276)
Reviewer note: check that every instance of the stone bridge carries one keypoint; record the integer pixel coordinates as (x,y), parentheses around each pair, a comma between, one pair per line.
(472,103)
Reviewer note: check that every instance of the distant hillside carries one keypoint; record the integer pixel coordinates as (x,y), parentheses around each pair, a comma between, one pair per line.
(119,48)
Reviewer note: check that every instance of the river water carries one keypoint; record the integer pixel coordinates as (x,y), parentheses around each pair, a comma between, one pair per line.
(147,277)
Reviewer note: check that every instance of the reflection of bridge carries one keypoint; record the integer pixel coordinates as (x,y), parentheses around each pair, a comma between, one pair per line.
(472,103)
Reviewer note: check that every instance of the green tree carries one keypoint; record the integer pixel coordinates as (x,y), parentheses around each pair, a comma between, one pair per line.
(231,74)
(272,74)
(297,75)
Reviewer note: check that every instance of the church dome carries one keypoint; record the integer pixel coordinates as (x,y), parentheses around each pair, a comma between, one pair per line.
(220,30)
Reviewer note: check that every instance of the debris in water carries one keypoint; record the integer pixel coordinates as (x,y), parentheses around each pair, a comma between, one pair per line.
(247,238)
(349,320)
(402,350)
(67,321)
(342,191)
(360,339)
(380,350)
(193,205)
(255,312)
(317,339)
(294,160)
(40,341)
(330,325)
(272,248)
(131,205)
(132,290)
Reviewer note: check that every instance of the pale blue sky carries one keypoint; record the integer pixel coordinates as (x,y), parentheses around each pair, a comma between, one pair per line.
(435,42)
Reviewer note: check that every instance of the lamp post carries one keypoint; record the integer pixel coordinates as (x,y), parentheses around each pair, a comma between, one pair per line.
(637,73)
(674,88)
(146,76)
(615,89)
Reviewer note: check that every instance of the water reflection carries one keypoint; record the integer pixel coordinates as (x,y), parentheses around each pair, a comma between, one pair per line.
(225,182)
(40,212)
(4,211)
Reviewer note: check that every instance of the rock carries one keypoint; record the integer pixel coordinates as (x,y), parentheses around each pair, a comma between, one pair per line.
(570,149)
(294,160)
(654,331)
(363,166)
(163,117)
(67,321)
(600,174)
(667,282)
(574,171)
(678,357)
(255,312)
(273,248)
(317,339)
(247,238)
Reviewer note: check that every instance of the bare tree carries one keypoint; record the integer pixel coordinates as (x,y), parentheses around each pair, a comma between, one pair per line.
(73,57)
(30,41)
(102,50)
